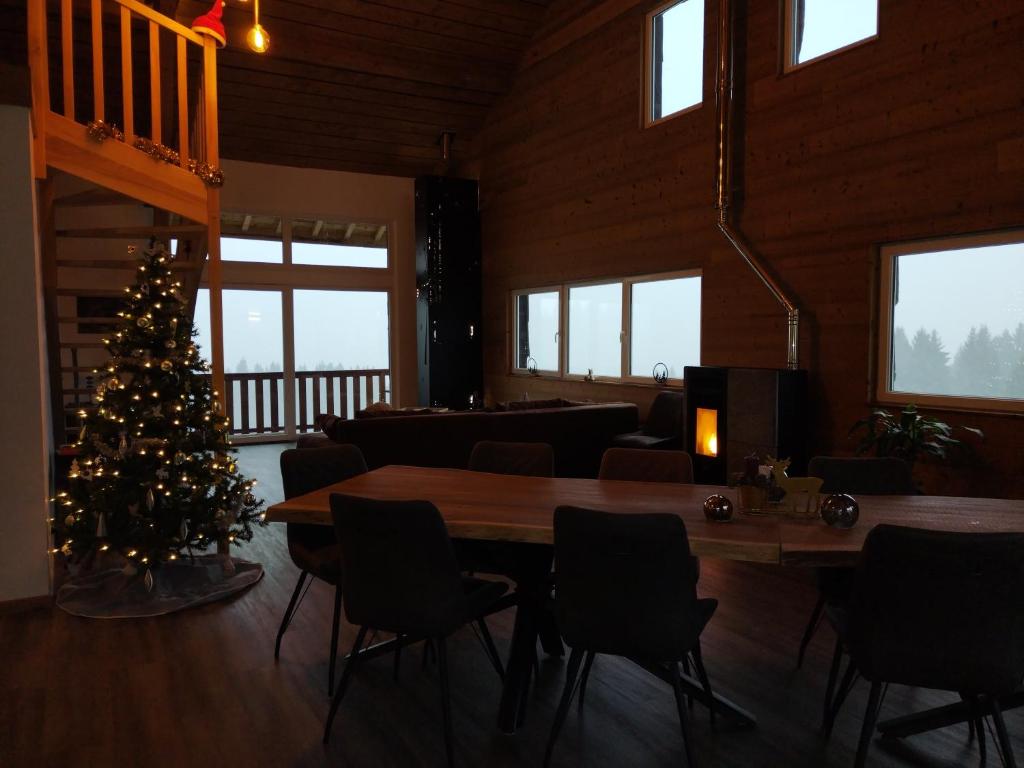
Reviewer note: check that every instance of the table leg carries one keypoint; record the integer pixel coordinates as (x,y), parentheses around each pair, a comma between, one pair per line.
(522,654)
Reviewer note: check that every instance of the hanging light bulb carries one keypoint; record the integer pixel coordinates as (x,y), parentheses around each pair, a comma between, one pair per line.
(258,40)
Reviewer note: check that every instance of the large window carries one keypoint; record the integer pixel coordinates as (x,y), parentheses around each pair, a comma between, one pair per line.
(953,321)
(664,326)
(817,28)
(595,330)
(537,329)
(614,330)
(674,59)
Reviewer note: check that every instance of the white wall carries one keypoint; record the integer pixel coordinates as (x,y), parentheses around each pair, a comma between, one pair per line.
(307,192)
(25,449)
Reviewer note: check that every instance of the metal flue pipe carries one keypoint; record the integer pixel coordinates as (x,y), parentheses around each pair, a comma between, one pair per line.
(723,114)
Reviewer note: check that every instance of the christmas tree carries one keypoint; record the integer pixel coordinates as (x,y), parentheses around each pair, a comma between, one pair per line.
(155,477)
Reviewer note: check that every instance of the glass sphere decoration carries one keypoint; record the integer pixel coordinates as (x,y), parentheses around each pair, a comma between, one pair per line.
(717,508)
(840,510)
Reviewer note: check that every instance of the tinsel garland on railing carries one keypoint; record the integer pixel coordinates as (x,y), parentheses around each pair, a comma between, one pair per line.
(210,175)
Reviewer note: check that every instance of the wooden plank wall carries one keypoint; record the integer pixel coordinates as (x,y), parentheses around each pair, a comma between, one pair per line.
(914,135)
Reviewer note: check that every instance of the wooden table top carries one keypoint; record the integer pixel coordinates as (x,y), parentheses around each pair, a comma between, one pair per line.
(479,505)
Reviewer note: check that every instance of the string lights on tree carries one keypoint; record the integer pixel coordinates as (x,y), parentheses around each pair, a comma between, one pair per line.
(155,477)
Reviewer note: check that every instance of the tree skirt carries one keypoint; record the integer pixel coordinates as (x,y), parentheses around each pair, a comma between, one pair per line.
(115,594)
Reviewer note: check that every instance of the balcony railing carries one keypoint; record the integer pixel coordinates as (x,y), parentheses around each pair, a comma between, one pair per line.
(256,403)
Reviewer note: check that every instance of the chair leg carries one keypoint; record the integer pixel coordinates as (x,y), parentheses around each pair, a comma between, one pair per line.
(346,678)
(446,701)
(1001,734)
(688,672)
(702,674)
(289,612)
(812,627)
(492,650)
(398,656)
(979,726)
(830,688)
(677,689)
(585,676)
(547,631)
(571,673)
(868,727)
(335,627)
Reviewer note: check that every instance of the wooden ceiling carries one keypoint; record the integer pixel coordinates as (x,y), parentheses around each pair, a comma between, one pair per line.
(366,86)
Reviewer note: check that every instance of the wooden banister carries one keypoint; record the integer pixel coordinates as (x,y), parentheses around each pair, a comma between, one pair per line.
(156,116)
(67,58)
(127,96)
(98,106)
(182,58)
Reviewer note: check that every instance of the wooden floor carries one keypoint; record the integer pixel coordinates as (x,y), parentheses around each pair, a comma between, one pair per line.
(201,688)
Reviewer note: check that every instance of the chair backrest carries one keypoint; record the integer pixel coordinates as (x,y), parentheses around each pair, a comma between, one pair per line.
(940,609)
(398,566)
(885,475)
(304,470)
(646,465)
(665,418)
(531,459)
(624,583)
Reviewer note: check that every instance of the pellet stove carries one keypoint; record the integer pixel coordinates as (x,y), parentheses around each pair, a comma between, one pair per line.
(734,412)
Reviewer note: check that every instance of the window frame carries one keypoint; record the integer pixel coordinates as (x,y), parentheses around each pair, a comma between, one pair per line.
(888,253)
(625,330)
(789,33)
(647,102)
(514,329)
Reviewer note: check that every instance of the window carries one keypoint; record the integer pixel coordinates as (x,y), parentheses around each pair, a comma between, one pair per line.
(674,59)
(816,28)
(251,238)
(537,328)
(953,320)
(616,330)
(664,326)
(595,330)
(339,244)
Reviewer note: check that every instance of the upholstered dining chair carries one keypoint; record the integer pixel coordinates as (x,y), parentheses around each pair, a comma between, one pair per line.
(934,609)
(664,425)
(623,587)
(314,548)
(401,576)
(859,476)
(528,459)
(646,465)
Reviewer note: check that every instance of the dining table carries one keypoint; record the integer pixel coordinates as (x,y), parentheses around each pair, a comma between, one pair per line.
(511,508)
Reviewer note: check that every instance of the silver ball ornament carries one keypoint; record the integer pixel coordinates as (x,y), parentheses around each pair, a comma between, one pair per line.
(840,510)
(717,508)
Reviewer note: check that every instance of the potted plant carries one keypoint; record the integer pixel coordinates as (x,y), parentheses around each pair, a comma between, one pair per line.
(910,436)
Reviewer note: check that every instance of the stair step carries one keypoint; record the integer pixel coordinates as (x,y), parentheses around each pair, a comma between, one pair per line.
(89,320)
(78,369)
(97,196)
(72,408)
(82,345)
(79,391)
(135,233)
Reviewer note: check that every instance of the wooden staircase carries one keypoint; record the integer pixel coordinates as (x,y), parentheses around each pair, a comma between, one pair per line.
(128,170)
(92,266)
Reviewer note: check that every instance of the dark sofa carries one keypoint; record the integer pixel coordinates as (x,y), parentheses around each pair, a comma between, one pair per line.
(578,434)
